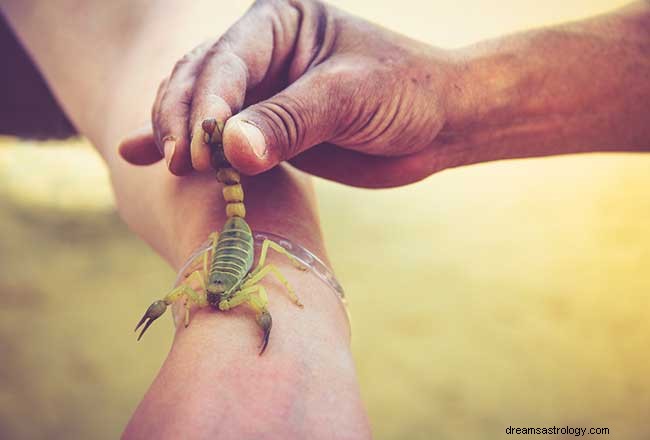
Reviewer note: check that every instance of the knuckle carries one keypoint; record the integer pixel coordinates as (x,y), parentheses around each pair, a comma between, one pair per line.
(191,57)
(265,9)
(199,50)
(172,114)
(271,4)
(281,7)
(343,74)
(182,62)
(176,102)
(187,58)
(162,87)
(214,49)
(263,3)
(208,105)
(286,121)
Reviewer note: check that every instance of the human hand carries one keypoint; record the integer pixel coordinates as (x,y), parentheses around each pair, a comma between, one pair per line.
(339,96)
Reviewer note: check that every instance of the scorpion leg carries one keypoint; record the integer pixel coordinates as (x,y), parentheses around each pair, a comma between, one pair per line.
(263,318)
(266,244)
(157,308)
(261,272)
(214,238)
(239,298)
(196,264)
(192,295)
(258,304)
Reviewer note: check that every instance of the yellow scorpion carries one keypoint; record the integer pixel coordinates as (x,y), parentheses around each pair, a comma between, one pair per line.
(226,277)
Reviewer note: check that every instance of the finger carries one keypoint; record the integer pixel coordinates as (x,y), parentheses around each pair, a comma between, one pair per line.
(139,148)
(253,54)
(219,92)
(162,88)
(264,134)
(170,117)
(236,63)
(368,171)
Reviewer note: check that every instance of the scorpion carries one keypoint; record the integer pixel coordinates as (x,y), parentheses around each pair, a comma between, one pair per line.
(226,276)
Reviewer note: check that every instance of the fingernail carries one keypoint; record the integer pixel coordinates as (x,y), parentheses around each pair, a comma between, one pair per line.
(254,136)
(169,146)
(199,150)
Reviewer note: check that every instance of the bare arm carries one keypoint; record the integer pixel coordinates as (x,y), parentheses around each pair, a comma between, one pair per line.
(103,61)
(23,88)
(577,87)
(387,110)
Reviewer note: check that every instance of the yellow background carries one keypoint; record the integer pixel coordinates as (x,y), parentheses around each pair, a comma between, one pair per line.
(512,293)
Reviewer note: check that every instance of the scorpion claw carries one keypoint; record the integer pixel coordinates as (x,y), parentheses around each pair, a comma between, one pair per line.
(265,342)
(264,320)
(154,311)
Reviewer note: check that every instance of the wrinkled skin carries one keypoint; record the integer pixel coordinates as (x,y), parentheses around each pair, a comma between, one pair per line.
(309,76)
(350,101)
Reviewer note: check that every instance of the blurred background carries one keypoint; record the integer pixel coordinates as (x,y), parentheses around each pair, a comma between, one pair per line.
(523,285)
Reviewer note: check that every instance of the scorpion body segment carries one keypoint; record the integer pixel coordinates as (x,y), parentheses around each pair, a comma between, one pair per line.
(226,278)
(232,259)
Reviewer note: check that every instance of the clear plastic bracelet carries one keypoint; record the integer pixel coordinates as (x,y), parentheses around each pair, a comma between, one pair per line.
(306,257)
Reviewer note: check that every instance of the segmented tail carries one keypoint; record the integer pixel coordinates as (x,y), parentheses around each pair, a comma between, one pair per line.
(233,193)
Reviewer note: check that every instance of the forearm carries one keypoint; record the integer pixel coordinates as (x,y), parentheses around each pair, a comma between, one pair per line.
(101,58)
(573,88)
(214,385)
(103,62)
(213,379)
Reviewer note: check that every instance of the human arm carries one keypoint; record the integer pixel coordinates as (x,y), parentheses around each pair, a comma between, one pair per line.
(22,87)
(305,384)
(348,100)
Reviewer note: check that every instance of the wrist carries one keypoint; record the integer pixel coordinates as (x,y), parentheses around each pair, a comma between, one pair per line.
(279,201)
(302,258)
(497,108)
(481,91)
(572,88)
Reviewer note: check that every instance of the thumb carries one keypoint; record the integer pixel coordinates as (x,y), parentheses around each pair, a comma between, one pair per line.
(283,126)
(139,148)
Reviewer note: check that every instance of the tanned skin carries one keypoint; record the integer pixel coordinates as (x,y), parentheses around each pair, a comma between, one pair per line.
(578,87)
(309,86)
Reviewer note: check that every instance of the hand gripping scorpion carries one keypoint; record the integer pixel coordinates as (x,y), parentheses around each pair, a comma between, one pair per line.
(225,275)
